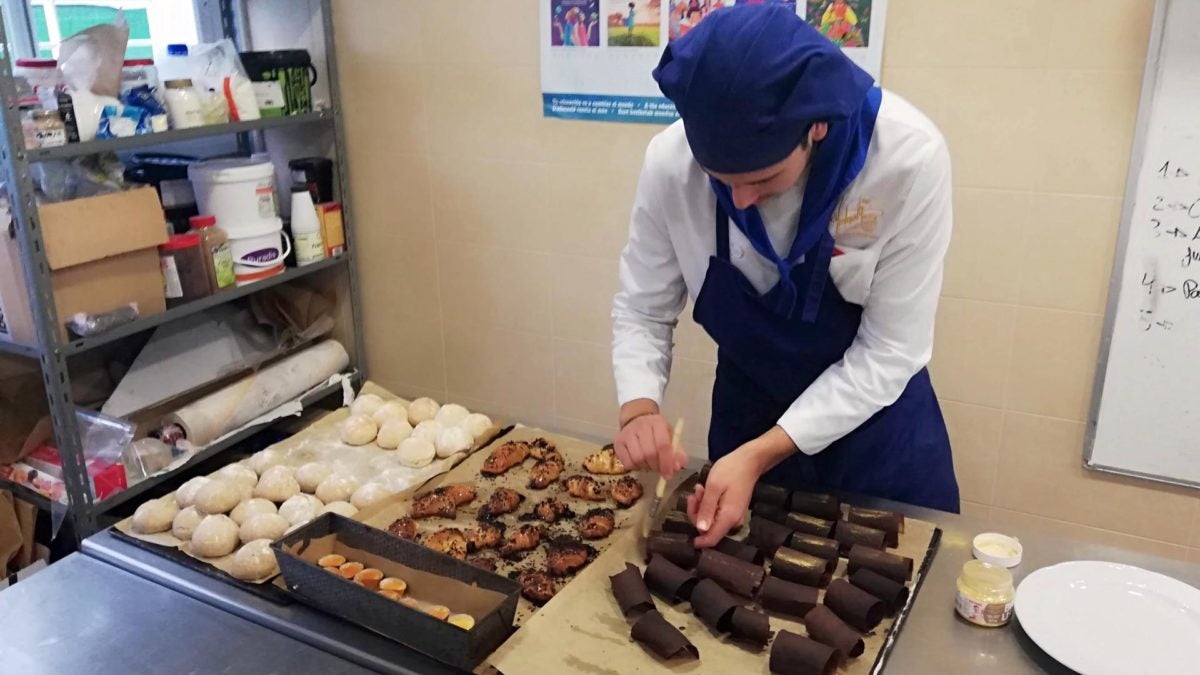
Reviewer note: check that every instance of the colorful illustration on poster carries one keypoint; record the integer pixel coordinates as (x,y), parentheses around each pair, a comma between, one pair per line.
(686,14)
(633,23)
(789,3)
(846,22)
(575,23)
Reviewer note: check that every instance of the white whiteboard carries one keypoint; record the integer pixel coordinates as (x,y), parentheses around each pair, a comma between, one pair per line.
(1145,418)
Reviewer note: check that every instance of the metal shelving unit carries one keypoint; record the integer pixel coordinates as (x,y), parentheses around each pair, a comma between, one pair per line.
(53,353)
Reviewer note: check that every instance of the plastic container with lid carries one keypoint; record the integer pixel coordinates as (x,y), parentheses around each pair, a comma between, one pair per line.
(985,594)
(239,192)
(185,278)
(184,104)
(136,72)
(39,73)
(218,257)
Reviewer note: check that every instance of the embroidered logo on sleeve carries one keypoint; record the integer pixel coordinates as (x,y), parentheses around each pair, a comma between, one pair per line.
(856,219)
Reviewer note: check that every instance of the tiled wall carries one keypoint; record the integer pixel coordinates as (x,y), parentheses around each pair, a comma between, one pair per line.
(488,235)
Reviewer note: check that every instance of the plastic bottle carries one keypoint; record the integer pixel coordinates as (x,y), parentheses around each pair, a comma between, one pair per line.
(306,228)
(218,258)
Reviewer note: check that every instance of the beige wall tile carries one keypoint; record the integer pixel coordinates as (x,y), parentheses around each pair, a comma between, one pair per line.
(511,370)
(403,207)
(689,395)
(483,111)
(404,354)
(1004,519)
(489,202)
(1101,34)
(1053,362)
(582,290)
(971,351)
(921,87)
(987,120)
(1067,255)
(385,120)
(691,341)
(1195,540)
(1041,471)
(588,209)
(490,286)
(370,33)
(976,511)
(410,291)
(617,146)
(1194,555)
(599,434)
(583,382)
(508,412)
(990,236)
(480,31)
(964,32)
(975,438)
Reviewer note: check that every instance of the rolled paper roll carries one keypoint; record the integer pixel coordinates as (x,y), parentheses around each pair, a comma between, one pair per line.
(768,536)
(749,625)
(849,534)
(673,546)
(822,547)
(733,574)
(792,565)
(765,493)
(630,590)
(658,635)
(786,597)
(825,627)
(741,550)
(890,522)
(678,523)
(668,580)
(816,504)
(893,593)
(802,522)
(890,565)
(854,605)
(794,654)
(713,605)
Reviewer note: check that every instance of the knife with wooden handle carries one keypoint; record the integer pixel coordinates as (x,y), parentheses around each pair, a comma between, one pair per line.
(661,487)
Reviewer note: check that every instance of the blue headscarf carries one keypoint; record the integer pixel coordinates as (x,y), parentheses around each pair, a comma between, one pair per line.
(749,82)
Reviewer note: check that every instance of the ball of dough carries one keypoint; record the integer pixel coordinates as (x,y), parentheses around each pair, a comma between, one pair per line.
(185,523)
(422,409)
(185,496)
(155,515)
(451,414)
(237,473)
(218,496)
(427,431)
(215,536)
(358,430)
(366,404)
(416,452)
(265,459)
(300,509)
(263,526)
(254,561)
(393,432)
(277,484)
(310,475)
(452,440)
(476,424)
(370,494)
(250,508)
(337,488)
(341,508)
(392,410)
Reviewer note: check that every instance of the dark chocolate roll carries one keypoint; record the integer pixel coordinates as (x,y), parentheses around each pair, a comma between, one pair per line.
(713,605)
(670,581)
(765,493)
(659,636)
(854,605)
(733,574)
(768,536)
(741,550)
(792,565)
(786,597)
(775,514)
(704,473)
(749,625)
(816,504)
(890,522)
(890,565)
(893,593)
(681,502)
(849,534)
(802,522)
(630,590)
(822,547)
(824,626)
(678,523)
(794,654)
(673,546)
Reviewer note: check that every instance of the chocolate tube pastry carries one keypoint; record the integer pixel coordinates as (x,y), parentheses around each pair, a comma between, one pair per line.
(824,626)
(659,636)
(741,550)
(704,473)
(802,522)
(815,504)
(792,565)
(679,523)
(765,493)
(786,597)
(768,536)
(749,625)
(673,546)
(794,654)
(890,565)
(849,534)
(670,581)
(630,591)
(713,605)
(771,512)
(681,503)
(854,605)
(893,593)
(890,522)
(733,574)
(822,547)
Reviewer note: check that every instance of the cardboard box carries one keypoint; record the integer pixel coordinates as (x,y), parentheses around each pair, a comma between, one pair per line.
(103,254)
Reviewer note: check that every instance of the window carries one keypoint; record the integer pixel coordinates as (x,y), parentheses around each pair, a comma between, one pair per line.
(153,24)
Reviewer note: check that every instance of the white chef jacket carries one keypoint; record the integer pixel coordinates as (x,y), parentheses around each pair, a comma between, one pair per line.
(892,226)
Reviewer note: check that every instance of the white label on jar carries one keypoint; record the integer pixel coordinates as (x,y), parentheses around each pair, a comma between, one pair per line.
(264,192)
(170,272)
(984,614)
(309,248)
(53,137)
(269,94)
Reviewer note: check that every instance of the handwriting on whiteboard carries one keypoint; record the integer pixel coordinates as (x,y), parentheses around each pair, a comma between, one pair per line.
(1173,218)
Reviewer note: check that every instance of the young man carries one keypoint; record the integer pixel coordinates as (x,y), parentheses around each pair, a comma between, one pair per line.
(806,213)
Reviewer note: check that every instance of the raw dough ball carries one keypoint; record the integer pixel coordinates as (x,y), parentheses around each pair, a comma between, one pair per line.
(237,473)
(155,515)
(370,494)
(416,452)
(185,523)
(218,496)
(452,440)
(185,496)
(300,509)
(341,508)
(366,404)
(310,475)
(427,430)
(215,536)
(277,484)
(250,508)
(392,410)
(337,488)
(451,414)
(422,409)
(254,561)
(393,432)
(358,430)
(263,526)
(264,459)
(476,424)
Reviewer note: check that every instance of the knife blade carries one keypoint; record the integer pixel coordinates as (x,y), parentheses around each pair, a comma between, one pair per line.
(661,487)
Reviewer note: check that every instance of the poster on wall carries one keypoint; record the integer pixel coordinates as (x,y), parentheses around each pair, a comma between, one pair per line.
(598,55)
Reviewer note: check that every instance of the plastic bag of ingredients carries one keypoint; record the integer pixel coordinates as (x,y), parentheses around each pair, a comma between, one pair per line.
(216,67)
(91,61)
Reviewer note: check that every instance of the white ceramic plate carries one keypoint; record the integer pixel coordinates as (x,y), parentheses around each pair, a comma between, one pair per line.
(1099,618)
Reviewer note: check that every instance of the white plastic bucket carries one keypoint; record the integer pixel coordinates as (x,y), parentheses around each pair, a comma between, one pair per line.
(239,192)
(258,252)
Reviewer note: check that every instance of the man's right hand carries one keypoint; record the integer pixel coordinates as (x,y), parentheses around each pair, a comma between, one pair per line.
(645,440)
